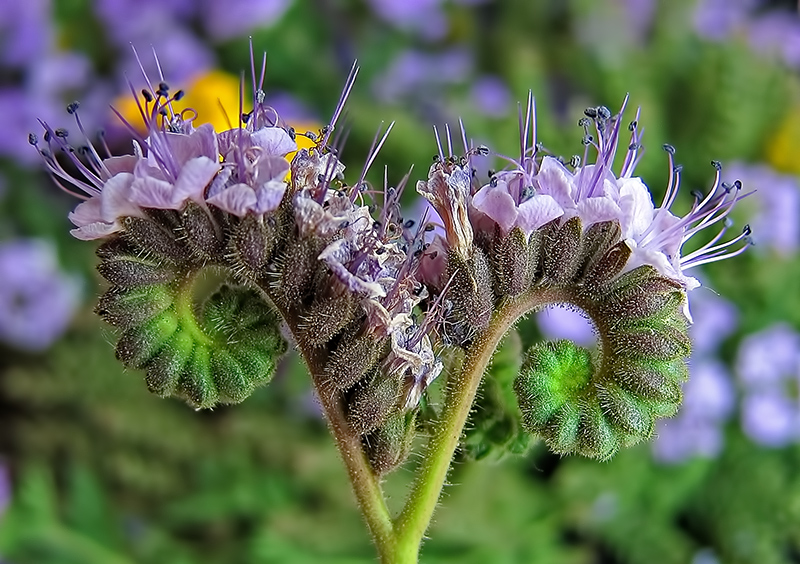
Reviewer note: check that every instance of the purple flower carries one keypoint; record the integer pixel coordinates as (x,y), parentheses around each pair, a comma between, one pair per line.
(37,300)
(566,323)
(42,96)
(535,189)
(226,20)
(709,399)
(128,19)
(715,318)
(768,366)
(25,31)
(490,96)
(414,73)
(5,488)
(405,14)
(776,221)
(718,19)
(240,171)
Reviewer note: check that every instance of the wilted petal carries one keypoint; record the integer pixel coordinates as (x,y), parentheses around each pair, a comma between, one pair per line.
(237,199)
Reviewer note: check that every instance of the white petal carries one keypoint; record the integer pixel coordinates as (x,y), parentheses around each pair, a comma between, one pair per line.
(555,180)
(116,199)
(274,141)
(269,196)
(237,199)
(193,179)
(537,211)
(497,203)
(595,210)
(637,207)
(152,193)
(87,212)
(96,230)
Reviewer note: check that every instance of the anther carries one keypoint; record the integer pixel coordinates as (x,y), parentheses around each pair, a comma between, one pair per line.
(47,136)
(429,227)
(677,169)
(33,139)
(632,125)
(178,95)
(409,224)
(163,89)
(717,165)
(697,194)
(737,184)
(584,122)
(73,107)
(246,117)
(146,95)
(292,133)
(575,161)
(62,133)
(669,148)
(746,229)
(603,113)
(590,112)
(587,140)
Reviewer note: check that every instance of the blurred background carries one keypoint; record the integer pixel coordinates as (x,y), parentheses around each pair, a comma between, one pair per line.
(95,470)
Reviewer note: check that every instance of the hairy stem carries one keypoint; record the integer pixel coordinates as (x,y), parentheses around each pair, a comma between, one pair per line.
(365,483)
(460,392)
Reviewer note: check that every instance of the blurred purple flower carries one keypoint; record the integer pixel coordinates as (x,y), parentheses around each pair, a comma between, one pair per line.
(715,318)
(25,31)
(565,323)
(408,15)
(768,366)
(43,95)
(128,19)
(777,33)
(776,222)
(718,19)
(37,300)
(490,96)
(5,489)
(417,73)
(225,20)
(709,399)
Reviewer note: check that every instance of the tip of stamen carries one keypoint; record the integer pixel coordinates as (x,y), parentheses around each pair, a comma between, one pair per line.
(603,113)
(717,165)
(33,139)
(73,107)
(669,148)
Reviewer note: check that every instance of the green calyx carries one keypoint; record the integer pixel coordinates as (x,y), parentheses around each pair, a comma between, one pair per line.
(216,353)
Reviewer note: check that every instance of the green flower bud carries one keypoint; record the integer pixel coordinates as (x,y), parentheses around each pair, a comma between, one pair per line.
(373,401)
(470,295)
(389,445)
(595,404)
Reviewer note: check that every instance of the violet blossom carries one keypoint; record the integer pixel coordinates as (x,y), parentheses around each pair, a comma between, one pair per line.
(37,300)
(768,367)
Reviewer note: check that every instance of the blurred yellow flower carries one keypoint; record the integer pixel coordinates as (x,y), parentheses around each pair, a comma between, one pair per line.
(783,148)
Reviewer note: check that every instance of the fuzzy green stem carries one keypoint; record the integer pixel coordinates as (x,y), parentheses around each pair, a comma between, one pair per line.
(460,392)
(365,483)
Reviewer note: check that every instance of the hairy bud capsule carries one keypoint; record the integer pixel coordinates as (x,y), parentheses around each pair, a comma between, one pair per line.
(389,445)
(471,296)
(373,401)
(512,264)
